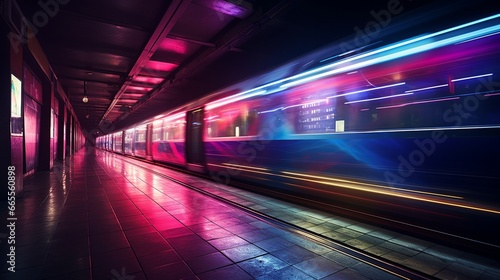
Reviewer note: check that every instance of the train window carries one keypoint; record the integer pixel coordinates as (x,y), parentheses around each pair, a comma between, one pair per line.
(174,129)
(157,133)
(233,120)
(140,135)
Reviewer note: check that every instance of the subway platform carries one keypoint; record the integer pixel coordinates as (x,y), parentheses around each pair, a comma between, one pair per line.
(100,215)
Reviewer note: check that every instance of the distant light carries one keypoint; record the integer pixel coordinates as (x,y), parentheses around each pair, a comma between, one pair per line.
(85,99)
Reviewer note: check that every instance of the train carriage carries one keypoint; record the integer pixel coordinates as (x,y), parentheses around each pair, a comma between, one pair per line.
(128,141)
(403,132)
(169,136)
(139,141)
(118,142)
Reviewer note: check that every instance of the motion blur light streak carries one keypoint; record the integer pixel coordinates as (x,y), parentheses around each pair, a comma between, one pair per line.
(424,198)
(348,52)
(379,98)
(246,166)
(367,184)
(234,98)
(480,37)
(418,102)
(373,188)
(176,116)
(472,77)
(398,54)
(241,169)
(427,88)
(492,94)
(365,90)
(311,75)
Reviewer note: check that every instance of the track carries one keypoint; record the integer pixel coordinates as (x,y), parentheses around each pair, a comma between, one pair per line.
(369,259)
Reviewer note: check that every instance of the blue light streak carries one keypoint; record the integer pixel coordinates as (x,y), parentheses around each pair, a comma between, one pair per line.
(384,54)
(472,77)
(378,98)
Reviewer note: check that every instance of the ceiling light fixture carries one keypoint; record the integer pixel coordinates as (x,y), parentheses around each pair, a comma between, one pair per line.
(85,99)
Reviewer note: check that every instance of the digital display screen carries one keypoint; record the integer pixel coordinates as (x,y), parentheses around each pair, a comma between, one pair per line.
(16,121)
(15,92)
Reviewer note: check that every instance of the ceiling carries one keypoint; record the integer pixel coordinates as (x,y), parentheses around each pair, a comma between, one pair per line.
(135,59)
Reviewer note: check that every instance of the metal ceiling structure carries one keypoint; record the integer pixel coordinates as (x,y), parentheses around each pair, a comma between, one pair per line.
(135,59)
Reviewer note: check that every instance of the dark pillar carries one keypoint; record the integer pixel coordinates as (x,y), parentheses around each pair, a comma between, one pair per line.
(45,160)
(11,128)
(61,134)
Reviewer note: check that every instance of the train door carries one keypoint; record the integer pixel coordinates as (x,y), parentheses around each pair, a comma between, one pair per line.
(149,141)
(32,88)
(194,140)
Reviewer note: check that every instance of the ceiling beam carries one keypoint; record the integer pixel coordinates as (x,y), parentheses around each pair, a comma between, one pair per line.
(104,20)
(180,38)
(226,44)
(91,69)
(170,18)
(84,47)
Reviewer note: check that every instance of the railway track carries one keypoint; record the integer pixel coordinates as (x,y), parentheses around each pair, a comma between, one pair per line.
(395,269)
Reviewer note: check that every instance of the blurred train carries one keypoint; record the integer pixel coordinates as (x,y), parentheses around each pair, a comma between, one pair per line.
(407,133)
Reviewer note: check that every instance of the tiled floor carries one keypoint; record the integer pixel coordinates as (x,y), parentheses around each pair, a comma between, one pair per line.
(100,217)
(429,258)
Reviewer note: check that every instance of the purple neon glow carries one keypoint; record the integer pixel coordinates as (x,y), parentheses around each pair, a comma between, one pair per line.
(492,94)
